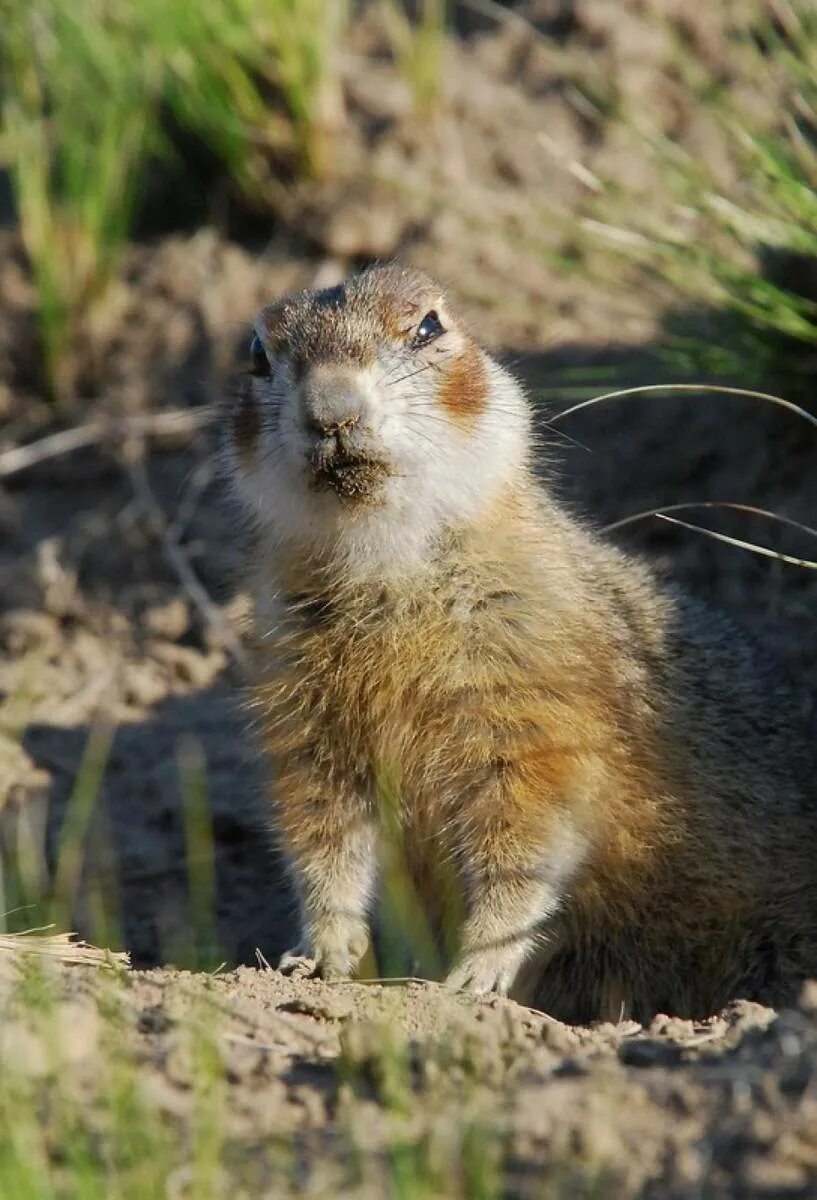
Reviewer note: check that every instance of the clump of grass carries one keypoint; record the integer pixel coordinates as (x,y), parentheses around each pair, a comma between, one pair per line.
(81,1121)
(306,35)
(412,940)
(99,1137)
(208,61)
(78,886)
(418,43)
(84,87)
(747,250)
(202,951)
(76,100)
(461,1155)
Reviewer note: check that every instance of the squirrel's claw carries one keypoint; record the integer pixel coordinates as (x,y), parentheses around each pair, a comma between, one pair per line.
(332,955)
(298,965)
(482,974)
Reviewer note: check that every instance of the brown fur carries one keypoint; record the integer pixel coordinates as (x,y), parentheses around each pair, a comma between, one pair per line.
(621,789)
(464,391)
(347,323)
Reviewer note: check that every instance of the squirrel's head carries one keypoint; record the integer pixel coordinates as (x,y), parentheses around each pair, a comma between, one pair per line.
(370,422)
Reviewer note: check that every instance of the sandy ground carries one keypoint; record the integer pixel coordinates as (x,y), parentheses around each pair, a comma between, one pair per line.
(95,625)
(324,1085)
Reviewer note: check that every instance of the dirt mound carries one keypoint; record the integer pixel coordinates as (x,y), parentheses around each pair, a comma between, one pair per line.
(327,1088)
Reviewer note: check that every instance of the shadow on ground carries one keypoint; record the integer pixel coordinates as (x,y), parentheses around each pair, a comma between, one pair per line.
(139,855)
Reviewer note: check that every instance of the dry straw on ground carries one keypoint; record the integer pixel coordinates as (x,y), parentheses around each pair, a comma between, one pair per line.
(63,947)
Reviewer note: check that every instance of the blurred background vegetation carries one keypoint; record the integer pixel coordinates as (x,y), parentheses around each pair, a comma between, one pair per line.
(116,111)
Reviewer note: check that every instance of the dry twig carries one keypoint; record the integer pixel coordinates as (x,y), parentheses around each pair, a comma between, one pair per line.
(175,422)
(210,613)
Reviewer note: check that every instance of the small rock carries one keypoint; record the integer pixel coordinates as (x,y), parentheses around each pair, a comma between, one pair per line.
(143,685)
(808,996)
(170,621)
(675,1028)
(187,665)
(23,630)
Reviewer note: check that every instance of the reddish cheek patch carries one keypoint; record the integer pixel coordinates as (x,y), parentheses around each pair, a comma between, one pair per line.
(464,387)
(246,425)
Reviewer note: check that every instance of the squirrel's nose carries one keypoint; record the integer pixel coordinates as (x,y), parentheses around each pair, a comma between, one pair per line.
(332,402)
(326,427)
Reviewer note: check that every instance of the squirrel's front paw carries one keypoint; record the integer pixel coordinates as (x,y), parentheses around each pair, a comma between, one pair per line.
(299,965)
(485,971)
(332,951)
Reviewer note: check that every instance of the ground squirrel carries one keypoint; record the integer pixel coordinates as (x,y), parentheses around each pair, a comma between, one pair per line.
(622,785)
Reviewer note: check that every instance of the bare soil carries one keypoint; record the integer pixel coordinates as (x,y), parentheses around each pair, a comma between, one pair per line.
(95,625)
(327,1085)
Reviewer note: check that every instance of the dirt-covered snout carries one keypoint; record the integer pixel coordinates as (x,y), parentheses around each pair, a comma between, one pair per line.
(338,426)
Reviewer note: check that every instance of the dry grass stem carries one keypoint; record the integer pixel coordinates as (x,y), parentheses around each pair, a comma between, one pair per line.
(64,947)
(740,544)
(654,388)
(662,509)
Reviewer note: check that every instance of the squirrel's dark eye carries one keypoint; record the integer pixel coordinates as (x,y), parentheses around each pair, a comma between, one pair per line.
(259,363)
(430,328)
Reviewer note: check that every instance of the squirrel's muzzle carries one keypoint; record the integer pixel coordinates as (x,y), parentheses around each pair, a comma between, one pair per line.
(341,456)
(332,402)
